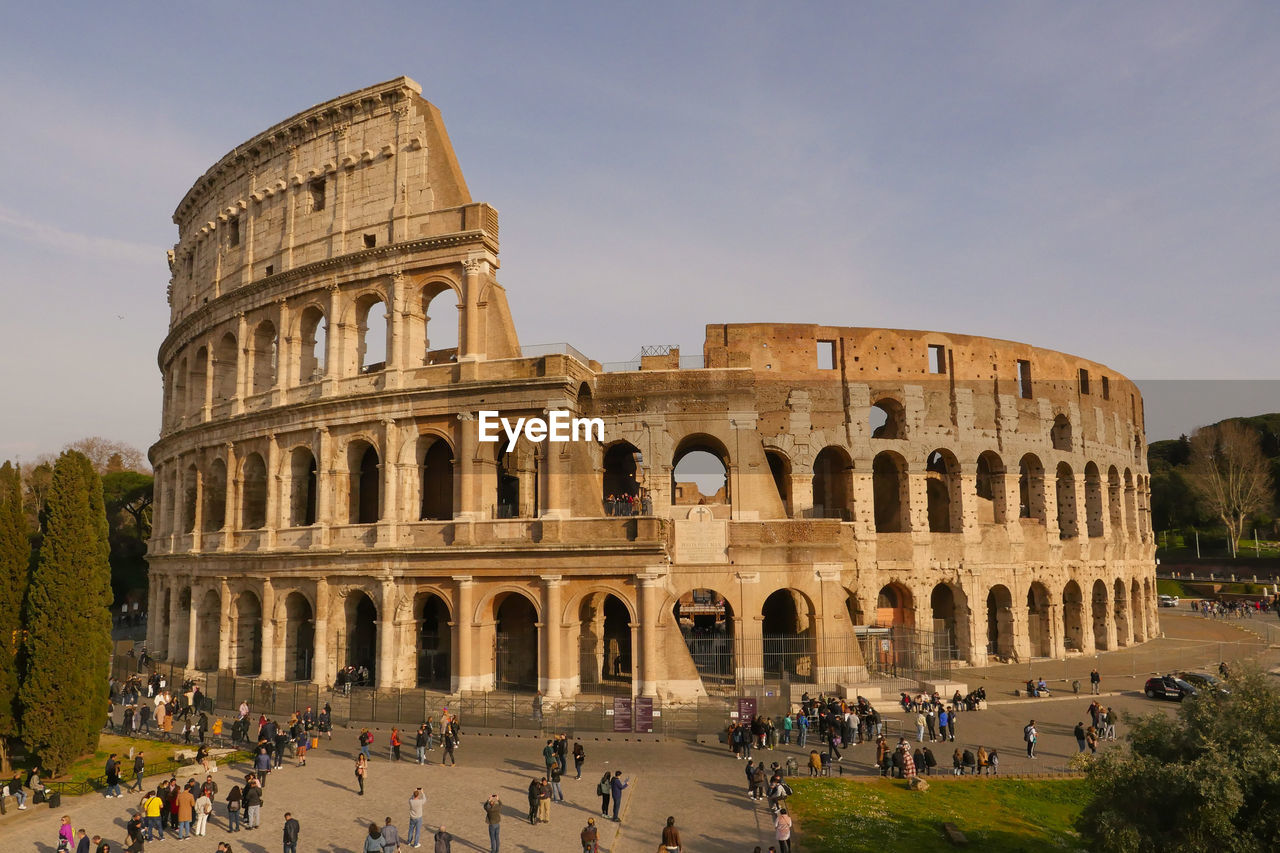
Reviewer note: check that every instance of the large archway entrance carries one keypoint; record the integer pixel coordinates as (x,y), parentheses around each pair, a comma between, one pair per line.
(247,654)
(1136,612)
(435,646)
(516,643)
(1000,622)
(437,482)
(208,631)
(706,622)
(1101,609)
(604,661)
(1039,626)
(950,622)
(620,491)
(889,493)
(790,653)
(833,484)
(299,638)
(1072,617)
(1121,605)
(361,647)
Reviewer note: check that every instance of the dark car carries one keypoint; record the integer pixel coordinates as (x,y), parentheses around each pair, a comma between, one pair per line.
(1205,681)
(1168,687)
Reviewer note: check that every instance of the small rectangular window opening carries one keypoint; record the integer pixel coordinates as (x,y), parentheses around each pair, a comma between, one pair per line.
(271,269)
(937,358)
(1106,388)
(316,189)
(826,355)
(1084,381)
(191,264)
(233,231)
(370,241)
(1024,379)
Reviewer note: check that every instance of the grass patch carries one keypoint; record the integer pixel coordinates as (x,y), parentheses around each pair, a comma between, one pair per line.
(93,766)
(1168,586)
(843,816)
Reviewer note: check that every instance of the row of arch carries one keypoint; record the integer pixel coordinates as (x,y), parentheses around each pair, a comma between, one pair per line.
(290,348)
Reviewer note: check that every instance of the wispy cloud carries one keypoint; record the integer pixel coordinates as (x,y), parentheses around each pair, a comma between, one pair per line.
(65,242)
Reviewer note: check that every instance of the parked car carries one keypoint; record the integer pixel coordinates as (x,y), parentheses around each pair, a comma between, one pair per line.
(1168,600)
(1205,681)
(1168,687)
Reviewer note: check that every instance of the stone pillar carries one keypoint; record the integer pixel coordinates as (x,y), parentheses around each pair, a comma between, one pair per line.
(916,513)
(231,515)
(207,406)
(268,663)
(197,529)
(322,666)
(175,511)
(465,468)
(333,339)
(463,635)
(1057,649)
(242,362)
(555,473)
(388,487)
(552,675)
(324,487)
(395,334)
(224,626)
(192,621)
(650,602)
(273,492)
(472,349)
(386,636)
(285,358)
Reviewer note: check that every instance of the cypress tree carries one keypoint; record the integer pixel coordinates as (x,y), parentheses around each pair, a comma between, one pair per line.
(64,689)
(15,557)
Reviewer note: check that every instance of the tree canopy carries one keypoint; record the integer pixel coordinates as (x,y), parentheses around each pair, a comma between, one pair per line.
(15,556)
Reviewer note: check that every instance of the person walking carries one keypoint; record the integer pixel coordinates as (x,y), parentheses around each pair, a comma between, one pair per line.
(493,819)
(204,808)
(605,790)
(782,831)
(449,744)
(590,837)
(139,766)
(1095,682)
(362,770)
(1029,734)
(671,837)
(533,793)
(152,806)
(616,787)
(133,832)
(557,793)
(390,837)
(579,756)
(537,707)
(373,839)
(544,800)
(420,743)
(443,841)
(395,744)
(186,808)
(366,738)
(416,801)
(253,804)
(291,830)
(1079,735)
(113,776)
(233,809)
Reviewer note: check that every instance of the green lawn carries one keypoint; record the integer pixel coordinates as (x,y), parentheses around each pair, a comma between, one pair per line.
(844,816)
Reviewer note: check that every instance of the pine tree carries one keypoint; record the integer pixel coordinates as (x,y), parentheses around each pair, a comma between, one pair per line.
(15,556)
(63,697)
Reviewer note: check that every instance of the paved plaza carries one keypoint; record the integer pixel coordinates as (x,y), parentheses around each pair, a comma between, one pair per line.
(701,785)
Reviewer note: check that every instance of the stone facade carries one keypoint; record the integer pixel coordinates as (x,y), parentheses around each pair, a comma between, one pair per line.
(323,496)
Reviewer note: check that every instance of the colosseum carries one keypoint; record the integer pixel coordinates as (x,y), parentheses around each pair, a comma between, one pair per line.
(802,504)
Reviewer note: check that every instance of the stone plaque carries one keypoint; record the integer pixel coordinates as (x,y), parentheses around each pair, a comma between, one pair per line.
(701,538)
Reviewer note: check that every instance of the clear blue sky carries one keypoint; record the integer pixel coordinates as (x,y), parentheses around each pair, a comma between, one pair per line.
(1099,178)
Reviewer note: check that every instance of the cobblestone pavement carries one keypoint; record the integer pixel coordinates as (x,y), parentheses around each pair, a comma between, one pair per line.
(702,786)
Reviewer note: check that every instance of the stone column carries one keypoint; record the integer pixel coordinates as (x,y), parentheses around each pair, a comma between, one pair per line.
(268,662)
(390,482)
(272,522)
(207,406)
(192,621)
(553,641)
(324,488)
(650,602)
(386,636)
(916,513)
(464,467)
(333,339)
(322,667)
(197,529)
(242,362)
(463,634)
(473,281)
(284,354)
(556,504)
(175,611)
(231,515)
(395,334)
(224,626)
(175,511)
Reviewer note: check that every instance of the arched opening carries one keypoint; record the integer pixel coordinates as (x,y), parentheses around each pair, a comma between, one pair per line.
(894,606)
(190,493)
(1093,501)
(199,380)
(833,484)
(253,483)
(1130,506)
(700,472)
(246,653)
(362,492)
(1072,616)
(888,419)
(516,643)
(1121,606)
(437,482)
(1065,486)
(942,489)
(518,480)
(605,645)
(706,622)
(302,487)
(1115,493)
(178,648)
(620,491)
(780,471)
(215,497)
(263,359)
(208,630)
(989,482)
(949,622)
(1101,609)
(165,600)
(1031,488)
(224,369)
(1060,434)
(361,647)
(789,650)
(1000,622)
(440,324)
(312,349)
(299,638)
(889,492)
(435,643)
(372,320)
(1039,626)
(1138,615)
